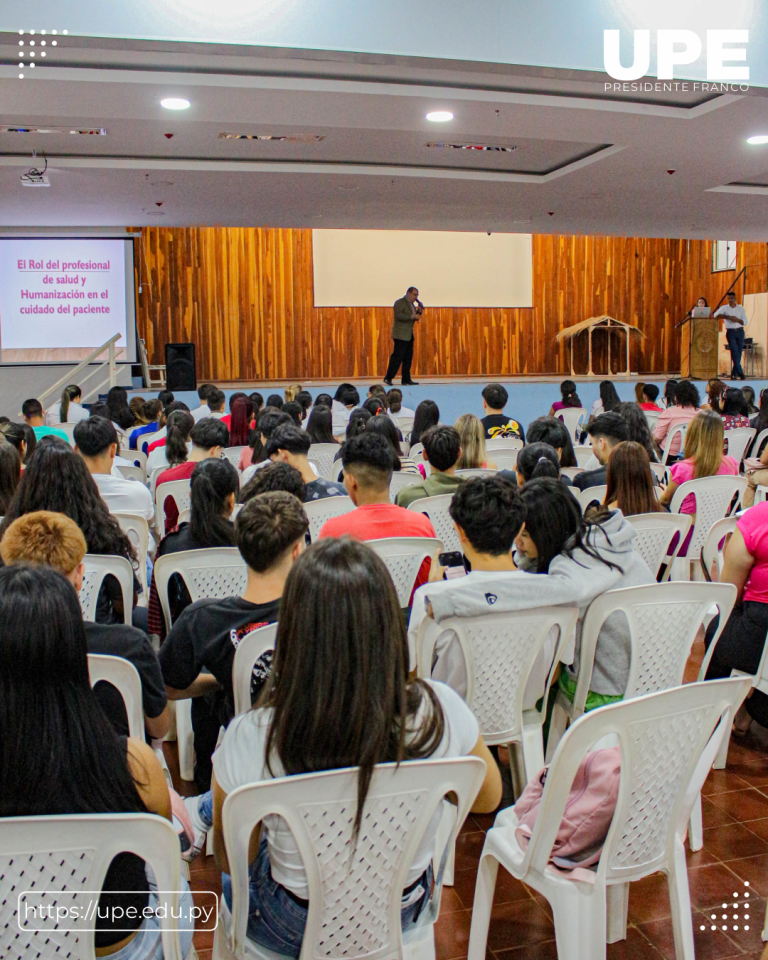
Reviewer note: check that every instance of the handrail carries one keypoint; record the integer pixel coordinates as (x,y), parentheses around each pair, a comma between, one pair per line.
(70,376)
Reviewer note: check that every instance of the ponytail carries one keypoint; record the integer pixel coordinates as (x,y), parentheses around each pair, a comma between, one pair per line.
(395,400)
(212,482)
(67,395)
(179,425)
(538,460)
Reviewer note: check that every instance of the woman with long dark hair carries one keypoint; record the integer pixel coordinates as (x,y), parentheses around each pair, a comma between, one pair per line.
(639,431)
(240,429)
(569,398)
(22,437)
(734,409)
(608,400)
(630,481)
(75,763)
(382,424)
(670,387)
(427,415)
(749,395)
(174,449)
(320,425)
(68,409)
(552,431)
(119,412)
(339,595)
(537,460)
(10,475)
(714,389)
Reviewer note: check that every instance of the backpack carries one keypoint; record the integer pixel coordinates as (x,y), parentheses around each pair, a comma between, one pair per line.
(587,816)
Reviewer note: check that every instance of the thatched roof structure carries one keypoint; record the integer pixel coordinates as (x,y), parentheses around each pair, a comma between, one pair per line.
(602,323)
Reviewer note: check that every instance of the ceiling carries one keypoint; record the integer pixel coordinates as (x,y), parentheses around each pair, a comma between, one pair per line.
(586,160)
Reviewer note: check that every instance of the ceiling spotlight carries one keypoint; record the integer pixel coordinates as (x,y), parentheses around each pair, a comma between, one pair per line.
(439,116)
(174,103)
(761,138)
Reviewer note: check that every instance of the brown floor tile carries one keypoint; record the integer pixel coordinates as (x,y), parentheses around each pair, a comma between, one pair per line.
(204,954)
(732,841)
(508,888)
(754,773)
(709,945)
(711,885)
(518,924)
(449,901)
(452,935)
(742,805)
(698,858)
(537,951)
(649,899)
(469,846)
(203,939)
(758,827)
(755,871)
(715,816)
(747,940)
(634,947)
(719,781)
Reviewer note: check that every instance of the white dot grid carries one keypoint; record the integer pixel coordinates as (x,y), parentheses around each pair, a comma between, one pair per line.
(713,916)
(33,53)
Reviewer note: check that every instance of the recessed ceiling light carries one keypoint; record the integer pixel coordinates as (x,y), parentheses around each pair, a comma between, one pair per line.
(174,103)
(761,138)
(440,116)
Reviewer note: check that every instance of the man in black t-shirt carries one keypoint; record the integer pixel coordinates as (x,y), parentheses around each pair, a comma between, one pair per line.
(54,540)
(496,423)
(198,653)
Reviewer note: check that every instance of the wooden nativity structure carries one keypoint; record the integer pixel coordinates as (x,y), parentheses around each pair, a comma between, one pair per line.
(603,324)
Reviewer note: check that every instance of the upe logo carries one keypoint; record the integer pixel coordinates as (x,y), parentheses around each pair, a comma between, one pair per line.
(675,48)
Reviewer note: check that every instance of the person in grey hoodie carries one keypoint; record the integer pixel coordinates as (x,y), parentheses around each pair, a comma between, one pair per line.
(581,559)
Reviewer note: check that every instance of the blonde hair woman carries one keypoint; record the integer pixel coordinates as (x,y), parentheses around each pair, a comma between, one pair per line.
(292,392)
(472,435)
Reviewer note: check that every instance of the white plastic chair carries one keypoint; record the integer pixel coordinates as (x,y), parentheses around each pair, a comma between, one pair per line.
(138,457)
(653,418)
(124,677)
(131,473)
(585,497)
(583,453)
(417,450)
(178,490)
(714,496)
(659,470)
(322,454)
(667,742)
(404,424)
(145,439)
(137,529)
(69,429)
(97,567)
(500,652)
(436,508)
(503,443)
(738,440)
(401,480)
(318,511)
(503,462)
(233,455)
(758,442)
(573,418)
(655,532)
(354,902)
(761,491)
(403,557)
(571,472)
(679,430)
(67,858)
(247,652)
(154,474)
(475,472)
(711,554)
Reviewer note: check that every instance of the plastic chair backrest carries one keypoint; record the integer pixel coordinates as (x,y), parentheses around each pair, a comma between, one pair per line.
(503,462)
(761,492)
(572,417)
(667,749)
(476,472)
(591,494)
(416,451)
(354,902)
(503,443)
(137,529)
(98,566)
(67,858)
(436,508)
(69,429)
(154,474)
(663,621)
(247,652)
(233,455)
(680,430)
(711,553)
(178,490)
(322,454)
(655,532)
(403,557)
(571,472)
(758,442)
(653,418)
(211,572)
(404,424)
(138,458)
(500,651)
(714,496)
(401,480)
(318,511)
(738,439)
(146,438)
(583,454)
(131,473)
(125,677)
(659,470)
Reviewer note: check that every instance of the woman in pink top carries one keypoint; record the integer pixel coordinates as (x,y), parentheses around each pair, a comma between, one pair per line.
(741,643)
(569,397)
(703,458)
(685,409)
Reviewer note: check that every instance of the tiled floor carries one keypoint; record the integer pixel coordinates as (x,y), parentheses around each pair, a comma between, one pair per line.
(735,809)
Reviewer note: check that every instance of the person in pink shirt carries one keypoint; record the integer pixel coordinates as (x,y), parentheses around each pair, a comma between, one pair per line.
(685,408)
(569,397)
(741,643)
(368,465)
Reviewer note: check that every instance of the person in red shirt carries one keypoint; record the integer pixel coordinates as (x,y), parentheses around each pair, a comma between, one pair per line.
(209,438)
(650,395)
(368,465)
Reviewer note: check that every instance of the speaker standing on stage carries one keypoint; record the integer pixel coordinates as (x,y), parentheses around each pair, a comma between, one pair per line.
(407,311)
(735,317)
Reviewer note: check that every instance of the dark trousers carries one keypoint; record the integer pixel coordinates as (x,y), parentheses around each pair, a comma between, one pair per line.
(735,340)
(740,647)
(209,714)
(402,353)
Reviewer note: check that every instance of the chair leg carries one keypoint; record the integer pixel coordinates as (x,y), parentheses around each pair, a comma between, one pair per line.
(185,739)
(481,911)
(557,726)
(580,921)
(722,752)
(695,826)
(680,901)
(517,767)
(617,903)
(533,750)
(764,934)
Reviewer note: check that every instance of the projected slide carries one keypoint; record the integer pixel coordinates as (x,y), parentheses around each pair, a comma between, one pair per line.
(60,299)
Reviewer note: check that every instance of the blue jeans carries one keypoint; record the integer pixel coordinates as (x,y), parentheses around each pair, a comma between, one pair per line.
(735,340)
(147,944)
(276,921)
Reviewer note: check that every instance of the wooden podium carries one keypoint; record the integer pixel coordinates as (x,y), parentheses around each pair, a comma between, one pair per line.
(699,343)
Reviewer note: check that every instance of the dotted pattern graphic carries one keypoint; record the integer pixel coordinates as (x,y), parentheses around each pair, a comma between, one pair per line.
(736,905)
(33,49)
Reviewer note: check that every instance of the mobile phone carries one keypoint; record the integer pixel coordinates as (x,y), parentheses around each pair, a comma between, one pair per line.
(454,562)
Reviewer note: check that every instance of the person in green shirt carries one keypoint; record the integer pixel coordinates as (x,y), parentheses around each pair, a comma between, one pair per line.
(32,411)
(442,449)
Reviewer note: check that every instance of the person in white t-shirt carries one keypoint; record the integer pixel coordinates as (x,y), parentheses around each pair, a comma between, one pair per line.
(735,317)
(203,410)
(340,594)
(68,409)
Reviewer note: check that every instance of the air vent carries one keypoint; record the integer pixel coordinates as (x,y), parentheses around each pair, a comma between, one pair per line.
(97,131)
(439,145)
(288,137)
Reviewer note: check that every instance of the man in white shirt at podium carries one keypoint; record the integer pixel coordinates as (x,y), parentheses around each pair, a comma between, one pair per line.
(735,317)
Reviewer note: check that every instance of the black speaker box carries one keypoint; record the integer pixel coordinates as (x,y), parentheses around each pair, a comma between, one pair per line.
(180,372)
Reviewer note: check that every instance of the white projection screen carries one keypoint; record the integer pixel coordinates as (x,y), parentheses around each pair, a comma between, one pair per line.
(373,268)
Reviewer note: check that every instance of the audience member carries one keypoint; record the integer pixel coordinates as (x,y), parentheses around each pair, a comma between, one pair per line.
(749,395)
(496,423)
(734,409)
(607,401)
(258,402)
(442,449)
(344,402)
(46,539)
(320,426)
(216,402)
(395,408)
(240,421)
(275,400)
(553,431)
(75,762)
(649,398)
(292,391)
(10,475)
(537,460)
(209,438)
(358,421)
(569,398)
(173,448)
(427,415)
(714,389)
(152,415)
(166,397)
(356,666)
(639,392)
(472,435)
(203,410)
(684,407)
(32,411)
(630,480)
(291,444)
(670,388)
(119,412)
(269,421)
(294,411)
(324,400)
(606,431)
(161,434)
(199,651)
(639,431)
(304,400)
(69,408)
(277,476)
(386,427)
(22,437)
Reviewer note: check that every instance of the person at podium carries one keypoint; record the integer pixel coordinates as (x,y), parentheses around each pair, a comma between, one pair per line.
(735,318)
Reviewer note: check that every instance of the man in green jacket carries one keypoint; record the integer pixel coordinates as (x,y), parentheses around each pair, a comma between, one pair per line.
(407,311)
